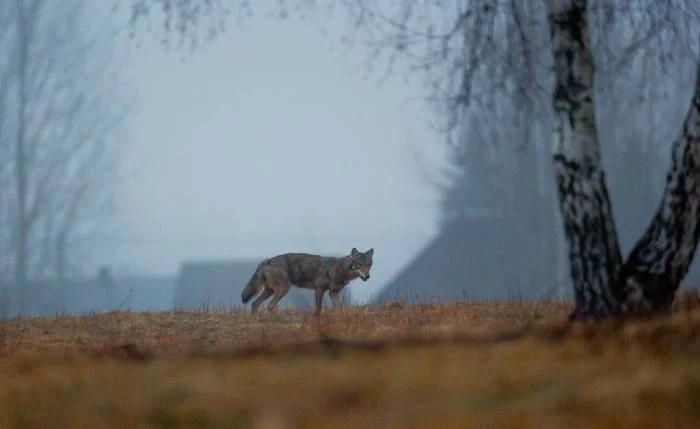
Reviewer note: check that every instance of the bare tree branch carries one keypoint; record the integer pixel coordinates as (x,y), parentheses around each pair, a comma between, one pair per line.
(445,42)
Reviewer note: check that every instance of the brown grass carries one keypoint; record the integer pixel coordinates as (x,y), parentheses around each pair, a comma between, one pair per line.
(480,365)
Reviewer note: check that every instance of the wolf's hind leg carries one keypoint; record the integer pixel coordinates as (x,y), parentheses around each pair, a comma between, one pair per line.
(267,292)
(280,290)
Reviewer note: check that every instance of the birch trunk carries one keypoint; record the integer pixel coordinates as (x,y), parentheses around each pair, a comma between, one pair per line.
(603,286)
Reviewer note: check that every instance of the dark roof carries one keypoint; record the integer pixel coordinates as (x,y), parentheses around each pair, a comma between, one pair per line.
(469,260)
(216,284)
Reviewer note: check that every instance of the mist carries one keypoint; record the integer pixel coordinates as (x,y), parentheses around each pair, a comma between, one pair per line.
(184,171)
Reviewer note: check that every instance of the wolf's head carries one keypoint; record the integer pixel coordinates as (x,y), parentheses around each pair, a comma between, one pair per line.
(361,263)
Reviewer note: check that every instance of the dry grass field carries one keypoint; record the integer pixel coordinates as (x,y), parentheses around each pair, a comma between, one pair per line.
(467,365)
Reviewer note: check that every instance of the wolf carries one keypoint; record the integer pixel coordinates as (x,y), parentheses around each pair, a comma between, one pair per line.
(275,276)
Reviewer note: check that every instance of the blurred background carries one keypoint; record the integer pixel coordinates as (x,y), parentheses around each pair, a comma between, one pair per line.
(138,177)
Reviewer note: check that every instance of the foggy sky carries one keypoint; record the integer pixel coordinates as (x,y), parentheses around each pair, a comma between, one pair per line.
(270,140)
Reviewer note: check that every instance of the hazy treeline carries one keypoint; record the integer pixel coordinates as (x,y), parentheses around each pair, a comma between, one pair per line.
(61,112)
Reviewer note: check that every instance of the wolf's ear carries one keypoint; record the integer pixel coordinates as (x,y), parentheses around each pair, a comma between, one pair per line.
(354,252)
(370,252)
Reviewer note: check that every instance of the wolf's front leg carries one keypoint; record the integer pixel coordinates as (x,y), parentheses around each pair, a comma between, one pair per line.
(318,300)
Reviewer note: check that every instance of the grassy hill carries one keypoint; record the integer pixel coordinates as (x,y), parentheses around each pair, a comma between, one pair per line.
(468,365)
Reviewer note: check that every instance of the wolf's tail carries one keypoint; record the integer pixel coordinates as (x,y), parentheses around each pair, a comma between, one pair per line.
(254,284)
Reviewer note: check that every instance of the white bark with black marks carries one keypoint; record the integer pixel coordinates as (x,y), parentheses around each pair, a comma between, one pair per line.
(650,278)
(594,252)
(661,258)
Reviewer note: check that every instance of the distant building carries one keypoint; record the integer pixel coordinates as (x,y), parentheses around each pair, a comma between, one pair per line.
(103,293)
(145,293)
(218,284)
(475,259)
(471,259)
